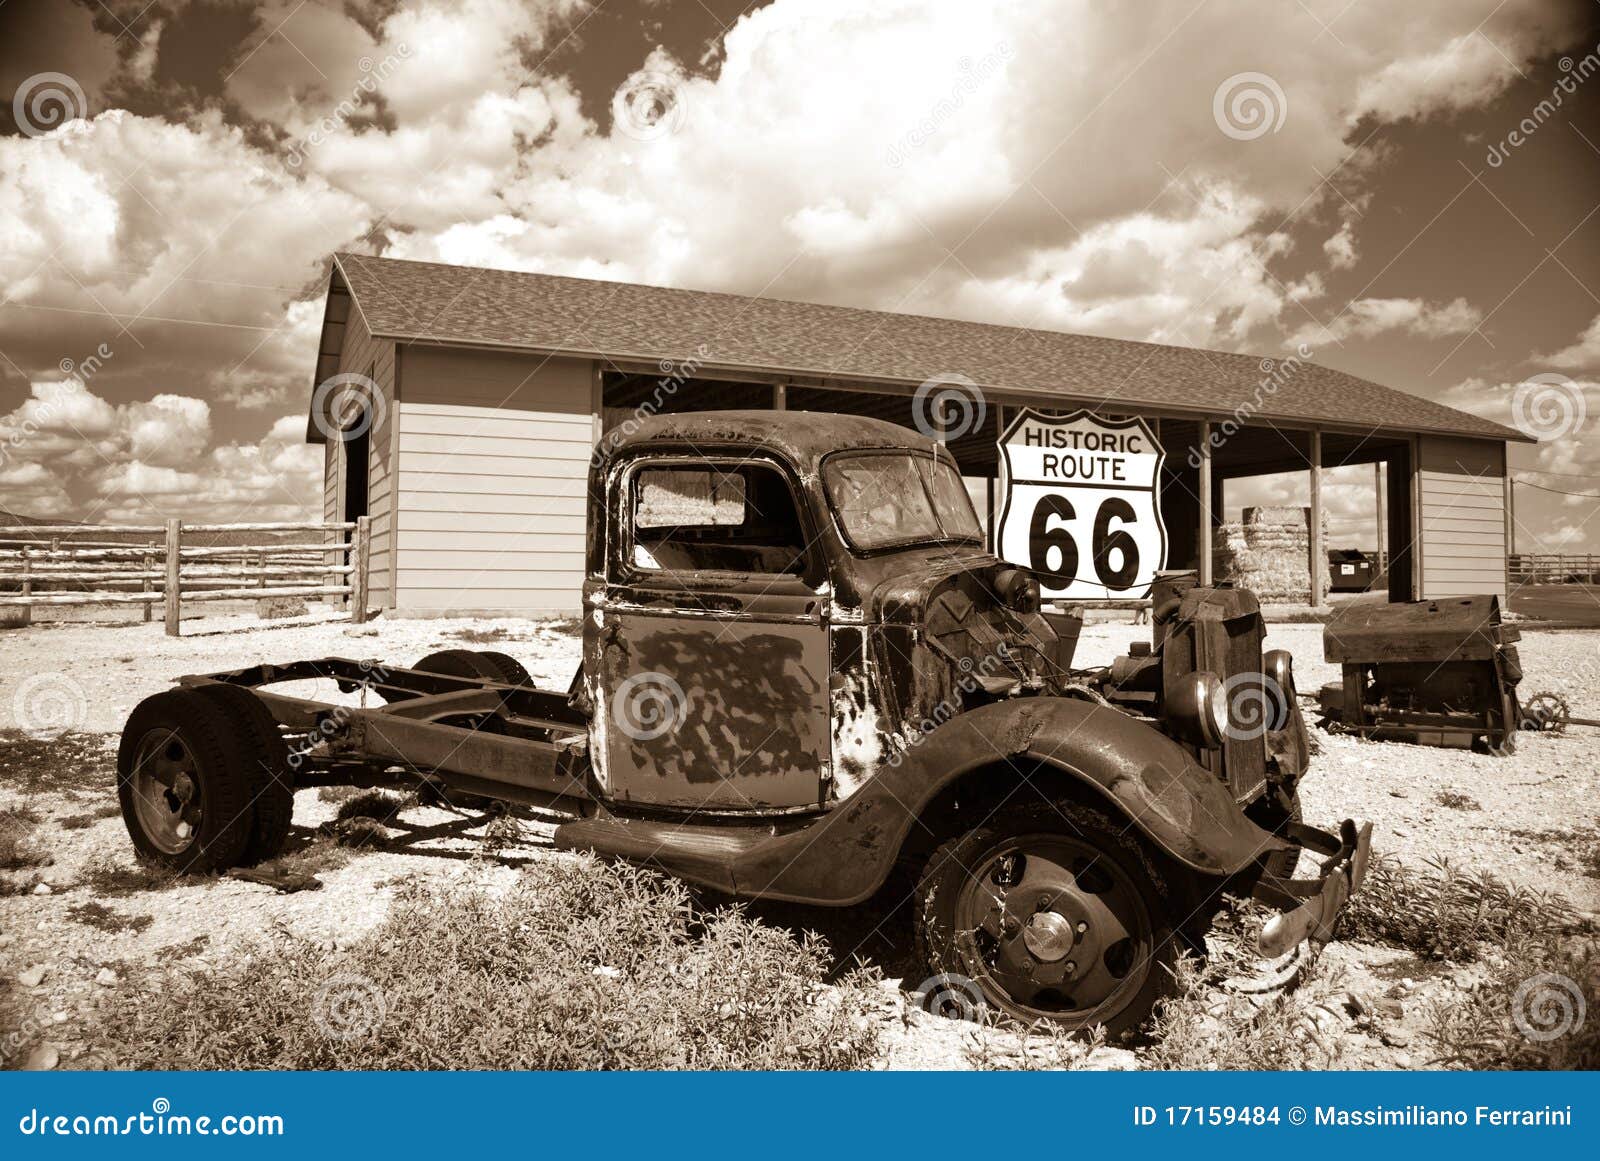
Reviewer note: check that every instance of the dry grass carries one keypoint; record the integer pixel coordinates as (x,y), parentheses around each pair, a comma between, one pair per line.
(1444,913)
(1202,1027)
(20,847)
(1455,801)
(324,853)
(103,918)
(111,877)
(578,965)
(1546,984)
(482,636)
(76,765)
(89,817)
(378,805)
(501,832)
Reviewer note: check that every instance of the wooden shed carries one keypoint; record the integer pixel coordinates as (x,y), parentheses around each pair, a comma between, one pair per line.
(487,391)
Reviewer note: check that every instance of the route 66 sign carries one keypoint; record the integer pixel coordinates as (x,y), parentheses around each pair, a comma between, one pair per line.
(1082,505)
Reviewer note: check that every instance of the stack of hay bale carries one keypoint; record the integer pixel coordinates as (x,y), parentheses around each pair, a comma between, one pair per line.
(1270,554)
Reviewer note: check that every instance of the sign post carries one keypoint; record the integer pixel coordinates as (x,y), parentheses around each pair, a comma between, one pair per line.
(1082,504)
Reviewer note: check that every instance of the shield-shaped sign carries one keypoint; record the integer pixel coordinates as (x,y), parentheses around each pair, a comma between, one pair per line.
(1082,504)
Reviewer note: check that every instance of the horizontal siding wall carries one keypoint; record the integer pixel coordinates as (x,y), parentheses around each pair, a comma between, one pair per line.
(494,461)
(1461,493)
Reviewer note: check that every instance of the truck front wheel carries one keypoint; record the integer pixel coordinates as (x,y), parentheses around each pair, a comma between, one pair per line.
(1054,913)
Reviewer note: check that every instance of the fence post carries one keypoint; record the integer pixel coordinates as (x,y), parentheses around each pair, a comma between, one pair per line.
(173,594)
(145,565)
(26,613)
(360,554)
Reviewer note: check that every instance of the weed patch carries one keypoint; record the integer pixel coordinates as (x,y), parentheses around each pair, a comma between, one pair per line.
(481,636)
(1200,1027)
(1528,1013)
(89,817)
(379,805)
(1444,913)
(110,877)
(103,918)
(579,965)
(73,764)
(19,844)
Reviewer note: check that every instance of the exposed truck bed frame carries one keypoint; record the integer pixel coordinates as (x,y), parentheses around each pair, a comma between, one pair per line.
(480,736)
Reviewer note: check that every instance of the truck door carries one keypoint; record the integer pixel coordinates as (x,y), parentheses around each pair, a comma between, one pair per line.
(712,637)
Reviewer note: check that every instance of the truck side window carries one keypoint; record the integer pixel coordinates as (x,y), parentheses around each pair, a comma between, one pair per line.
(738,518)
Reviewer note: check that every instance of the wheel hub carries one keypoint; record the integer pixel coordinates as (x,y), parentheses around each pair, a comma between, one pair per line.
(1055,928)
(166,793)
(1049,936)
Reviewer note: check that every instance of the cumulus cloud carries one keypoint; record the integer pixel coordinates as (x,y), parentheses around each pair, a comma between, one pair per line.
(1341,247)
(66,450)
(1367,317)
(1581,355)
(1035,163)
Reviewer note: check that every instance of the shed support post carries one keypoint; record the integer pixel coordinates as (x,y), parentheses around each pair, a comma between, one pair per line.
(360,555)
(1319,555)
(1377,494)
(780,397)
(173,592)
(1206,515)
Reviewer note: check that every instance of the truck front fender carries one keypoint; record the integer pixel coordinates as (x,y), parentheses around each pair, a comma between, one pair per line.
(1182,808)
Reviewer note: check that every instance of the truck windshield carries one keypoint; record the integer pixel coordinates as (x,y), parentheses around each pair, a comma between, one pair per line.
(894,499)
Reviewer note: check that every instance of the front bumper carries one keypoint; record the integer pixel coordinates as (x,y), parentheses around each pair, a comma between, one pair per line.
(1312,906)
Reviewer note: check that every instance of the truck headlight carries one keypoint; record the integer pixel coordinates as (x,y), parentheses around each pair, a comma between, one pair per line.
(1198,708)
(1278,665)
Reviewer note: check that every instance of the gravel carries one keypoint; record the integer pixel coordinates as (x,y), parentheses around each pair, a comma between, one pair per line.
(1538,808)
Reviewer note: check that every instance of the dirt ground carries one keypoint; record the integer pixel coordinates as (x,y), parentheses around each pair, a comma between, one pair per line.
(1531,819)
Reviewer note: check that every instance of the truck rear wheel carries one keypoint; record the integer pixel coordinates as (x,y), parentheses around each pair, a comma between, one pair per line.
(1054,913)
(510,669)
(460,663)
(184,782)
(272,782)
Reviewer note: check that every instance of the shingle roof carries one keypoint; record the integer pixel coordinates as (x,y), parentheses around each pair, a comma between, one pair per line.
(430,302)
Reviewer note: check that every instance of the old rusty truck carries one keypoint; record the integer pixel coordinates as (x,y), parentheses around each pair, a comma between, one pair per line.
(804,678)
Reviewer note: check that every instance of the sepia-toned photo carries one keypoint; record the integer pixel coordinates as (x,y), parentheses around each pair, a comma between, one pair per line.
(692,536)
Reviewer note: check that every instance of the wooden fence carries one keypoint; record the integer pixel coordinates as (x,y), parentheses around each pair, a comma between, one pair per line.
(1554,567)
(174,564)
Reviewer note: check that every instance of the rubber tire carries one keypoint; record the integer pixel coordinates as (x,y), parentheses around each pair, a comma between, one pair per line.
(460,663)
(272,791)
(218,742)
(510,669)
(938,891)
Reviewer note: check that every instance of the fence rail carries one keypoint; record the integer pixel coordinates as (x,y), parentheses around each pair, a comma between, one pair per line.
(1554,567)
(149,565)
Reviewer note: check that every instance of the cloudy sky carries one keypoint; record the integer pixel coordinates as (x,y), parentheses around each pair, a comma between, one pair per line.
(1411,190)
